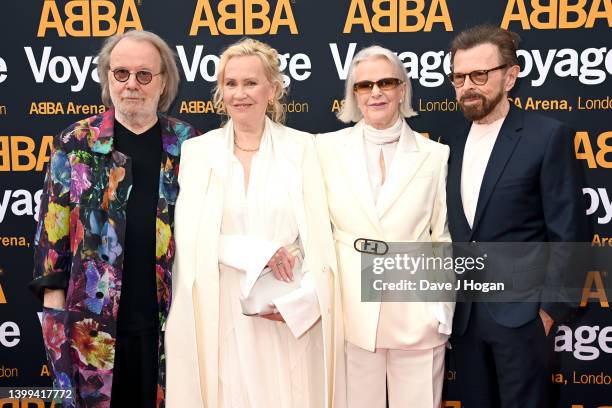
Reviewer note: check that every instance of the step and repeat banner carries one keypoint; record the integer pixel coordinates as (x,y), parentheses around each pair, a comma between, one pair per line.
(49,79)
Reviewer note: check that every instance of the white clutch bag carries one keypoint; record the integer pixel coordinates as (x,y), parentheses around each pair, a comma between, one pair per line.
(267,288)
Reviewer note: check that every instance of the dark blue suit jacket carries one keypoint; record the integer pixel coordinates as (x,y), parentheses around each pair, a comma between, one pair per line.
(531,192)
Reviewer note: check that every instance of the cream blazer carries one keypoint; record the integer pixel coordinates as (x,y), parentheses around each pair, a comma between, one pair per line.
(411,208)
(192,329)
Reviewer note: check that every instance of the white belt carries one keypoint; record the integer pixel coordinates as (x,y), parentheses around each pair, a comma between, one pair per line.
(344,237)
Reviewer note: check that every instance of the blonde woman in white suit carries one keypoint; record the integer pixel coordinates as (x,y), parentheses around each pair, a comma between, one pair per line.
(386,182)
(252,196)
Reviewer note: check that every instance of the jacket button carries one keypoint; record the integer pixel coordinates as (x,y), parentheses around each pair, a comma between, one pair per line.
(99,295)
(93,333)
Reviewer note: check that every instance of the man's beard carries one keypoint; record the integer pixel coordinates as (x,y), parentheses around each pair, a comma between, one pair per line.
(479,111)
(132,114)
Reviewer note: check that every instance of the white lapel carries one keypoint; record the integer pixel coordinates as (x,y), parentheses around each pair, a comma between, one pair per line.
(355,167)
(214,176)
(220,151)
(404,166)
(289,154)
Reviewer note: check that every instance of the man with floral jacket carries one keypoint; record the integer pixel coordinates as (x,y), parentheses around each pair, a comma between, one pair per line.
(104,244)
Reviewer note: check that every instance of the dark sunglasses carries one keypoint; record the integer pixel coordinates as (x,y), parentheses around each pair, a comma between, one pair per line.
(478,77)
(143,77)
(385,84)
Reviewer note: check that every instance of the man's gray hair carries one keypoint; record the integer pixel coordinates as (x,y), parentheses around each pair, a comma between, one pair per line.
(168,66)
(350,110)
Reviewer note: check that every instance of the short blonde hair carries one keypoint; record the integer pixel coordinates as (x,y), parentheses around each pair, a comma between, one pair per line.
(350,110)
(269,60)
(168,66)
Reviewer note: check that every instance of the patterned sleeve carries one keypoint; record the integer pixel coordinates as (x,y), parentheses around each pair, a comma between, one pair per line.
(52,256)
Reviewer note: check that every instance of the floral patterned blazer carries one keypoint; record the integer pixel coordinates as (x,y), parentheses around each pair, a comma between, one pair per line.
(79,247)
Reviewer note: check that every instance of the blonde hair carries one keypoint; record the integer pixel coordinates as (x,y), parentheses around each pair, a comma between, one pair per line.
(350,110)
(168,66)
(269,60)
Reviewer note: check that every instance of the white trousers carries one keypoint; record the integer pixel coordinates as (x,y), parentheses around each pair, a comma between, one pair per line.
(414,378)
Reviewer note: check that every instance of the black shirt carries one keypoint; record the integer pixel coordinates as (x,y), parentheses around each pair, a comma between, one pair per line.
(138,310)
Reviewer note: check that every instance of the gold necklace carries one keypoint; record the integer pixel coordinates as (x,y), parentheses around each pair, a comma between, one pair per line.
(243,149)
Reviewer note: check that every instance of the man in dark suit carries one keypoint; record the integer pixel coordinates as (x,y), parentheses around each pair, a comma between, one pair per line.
(512,177)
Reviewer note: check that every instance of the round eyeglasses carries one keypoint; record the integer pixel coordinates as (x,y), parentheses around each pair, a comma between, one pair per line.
(143,77)
(478,77)
(385,84)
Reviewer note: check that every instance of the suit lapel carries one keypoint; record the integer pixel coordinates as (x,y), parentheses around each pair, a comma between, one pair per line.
(454,177)
(354,158)
(220,152)
(502,151)
(289,155)
(404,166)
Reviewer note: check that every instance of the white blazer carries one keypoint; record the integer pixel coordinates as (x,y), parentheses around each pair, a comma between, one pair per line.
(411,208)
(193,323)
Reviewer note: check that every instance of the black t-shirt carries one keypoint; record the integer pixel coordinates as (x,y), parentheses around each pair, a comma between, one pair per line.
(138,310)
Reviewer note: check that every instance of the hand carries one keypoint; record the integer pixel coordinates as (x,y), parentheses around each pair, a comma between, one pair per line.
(547,321)
(281,264)
(275,315)
(54,299)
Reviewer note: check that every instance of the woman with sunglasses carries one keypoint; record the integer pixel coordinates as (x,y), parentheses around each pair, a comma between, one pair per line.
(386,182)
